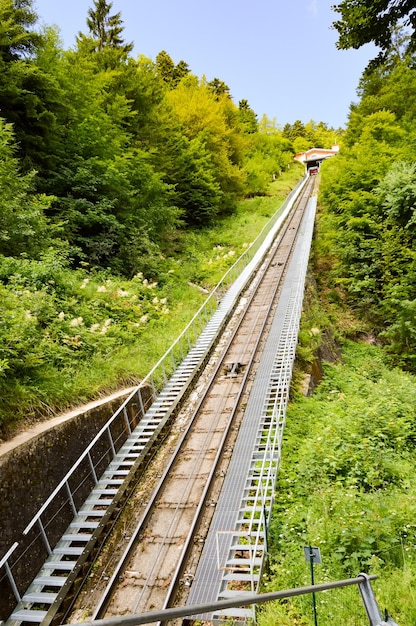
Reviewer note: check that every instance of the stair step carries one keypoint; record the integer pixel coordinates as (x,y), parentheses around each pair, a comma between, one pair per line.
(63,566)
(99,501)
(114,481)
(91,513)
(50,581)
(120,462)
(77,537)
(69,551)
(231,593)
(246,563)
(25,615)
(42,598)
(82,525)
(236,612)
(242,577)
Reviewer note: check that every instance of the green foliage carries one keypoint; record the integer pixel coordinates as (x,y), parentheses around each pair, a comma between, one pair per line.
(248,118)
(398,190)
(56,322)
(22,221)
(170,73)
(345,480)
(365,21)
(29,96)
(126,151)
(311,135)
(107,163)
(267,156)
(368,197)
(207,119)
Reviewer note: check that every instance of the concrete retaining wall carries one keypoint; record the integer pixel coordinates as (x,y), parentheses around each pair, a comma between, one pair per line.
(31,471)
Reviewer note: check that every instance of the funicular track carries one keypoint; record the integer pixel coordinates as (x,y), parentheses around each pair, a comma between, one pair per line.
(155,569)
(173,519)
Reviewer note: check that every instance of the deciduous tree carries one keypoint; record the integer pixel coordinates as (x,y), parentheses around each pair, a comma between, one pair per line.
(365,21)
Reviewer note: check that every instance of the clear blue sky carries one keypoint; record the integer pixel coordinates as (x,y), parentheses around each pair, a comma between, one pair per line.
(280,55)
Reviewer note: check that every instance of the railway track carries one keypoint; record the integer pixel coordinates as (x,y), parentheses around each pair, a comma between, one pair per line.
(178,455)
(155,569)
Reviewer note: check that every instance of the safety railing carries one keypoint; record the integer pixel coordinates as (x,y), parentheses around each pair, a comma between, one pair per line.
(361,608)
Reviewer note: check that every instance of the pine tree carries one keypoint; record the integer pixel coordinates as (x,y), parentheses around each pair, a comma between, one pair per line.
(106,29)
(170,73)
(29,98)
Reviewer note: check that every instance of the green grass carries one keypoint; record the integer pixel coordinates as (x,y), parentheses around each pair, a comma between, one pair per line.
(346,485)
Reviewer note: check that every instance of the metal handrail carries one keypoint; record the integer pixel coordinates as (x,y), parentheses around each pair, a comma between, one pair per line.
(362,580)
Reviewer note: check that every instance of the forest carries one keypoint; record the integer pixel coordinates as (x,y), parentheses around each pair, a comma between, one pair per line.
(113,170)
(128,186)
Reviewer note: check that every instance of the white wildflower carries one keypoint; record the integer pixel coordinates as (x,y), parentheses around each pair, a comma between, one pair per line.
(94,328)
(122,293)
(77,321)
(107,322)
(144,319)
(155,300)
(102,289)
(145,282)
(61,315)
(84,283)
(163,300)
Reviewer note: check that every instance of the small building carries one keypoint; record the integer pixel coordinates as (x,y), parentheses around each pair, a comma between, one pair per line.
(313,158)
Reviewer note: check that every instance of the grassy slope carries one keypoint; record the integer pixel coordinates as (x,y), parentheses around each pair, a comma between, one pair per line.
(78,336)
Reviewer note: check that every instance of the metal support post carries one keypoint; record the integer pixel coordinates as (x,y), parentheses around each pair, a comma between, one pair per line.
(12,582)
(370,602)
(126,417)
(311,556)
(44,536)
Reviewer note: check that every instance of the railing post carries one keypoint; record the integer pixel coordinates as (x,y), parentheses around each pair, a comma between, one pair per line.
(92,468)
(369,601)
(142,409)
(126,417)
(110,436)
(4,561)
(71,499)
(45,538)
